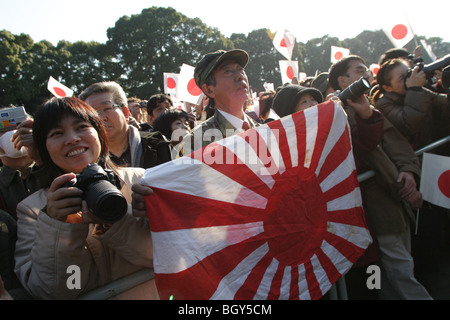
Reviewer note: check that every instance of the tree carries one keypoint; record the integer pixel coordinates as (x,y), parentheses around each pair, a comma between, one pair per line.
(156,41)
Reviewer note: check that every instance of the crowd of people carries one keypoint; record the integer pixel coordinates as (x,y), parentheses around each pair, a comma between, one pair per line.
(49,224)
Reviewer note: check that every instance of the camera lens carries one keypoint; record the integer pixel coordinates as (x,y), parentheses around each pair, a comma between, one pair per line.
(106,201)
(355,90)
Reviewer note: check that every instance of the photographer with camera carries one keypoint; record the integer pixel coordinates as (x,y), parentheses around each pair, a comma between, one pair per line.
(390,196)
(421,115)
(86,224)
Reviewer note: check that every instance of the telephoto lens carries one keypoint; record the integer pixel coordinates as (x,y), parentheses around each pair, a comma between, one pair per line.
(354,91)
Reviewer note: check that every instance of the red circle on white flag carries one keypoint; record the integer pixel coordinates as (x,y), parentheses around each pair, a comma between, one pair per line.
(283,43)
(399,31)
(171,84)
(444,183)
(60,92)
(375,71)
(338,55)
(290,72)
(193,89)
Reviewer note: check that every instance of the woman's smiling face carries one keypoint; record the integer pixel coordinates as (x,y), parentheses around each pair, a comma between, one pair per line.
(73,144)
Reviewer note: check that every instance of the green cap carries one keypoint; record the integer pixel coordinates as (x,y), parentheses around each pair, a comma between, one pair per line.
(211,60)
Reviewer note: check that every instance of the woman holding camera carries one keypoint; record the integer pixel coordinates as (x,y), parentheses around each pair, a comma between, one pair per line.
(422,116)
(64,249)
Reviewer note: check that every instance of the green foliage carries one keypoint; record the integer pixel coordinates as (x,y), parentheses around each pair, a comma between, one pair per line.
(142,47)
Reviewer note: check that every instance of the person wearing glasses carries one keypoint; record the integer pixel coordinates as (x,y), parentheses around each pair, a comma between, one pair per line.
(128,146)
(390,197)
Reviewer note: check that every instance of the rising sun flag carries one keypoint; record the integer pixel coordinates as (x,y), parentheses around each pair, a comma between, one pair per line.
(271,213)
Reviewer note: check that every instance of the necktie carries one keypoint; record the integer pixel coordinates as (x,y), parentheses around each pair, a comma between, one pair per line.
(245,125)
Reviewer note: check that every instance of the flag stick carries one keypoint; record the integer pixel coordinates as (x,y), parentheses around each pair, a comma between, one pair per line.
(415,40)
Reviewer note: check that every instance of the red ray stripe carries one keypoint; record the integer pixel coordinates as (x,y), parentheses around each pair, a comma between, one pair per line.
(282,140)
(313,285)
(233,168)
(300,128)
(251,284)
(274,292)
(325,120)
(328,266)
(200,281)
(183,211)
(260,147)
(346,248)
(336,156)
(294,293)
(353,217)
(342,188)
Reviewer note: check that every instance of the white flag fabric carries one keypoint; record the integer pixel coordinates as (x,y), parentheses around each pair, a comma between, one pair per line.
(399,32)
(188,90)
(284,42)
(58,89)
(435,181)
(171,84)
(337,53)
(289,70)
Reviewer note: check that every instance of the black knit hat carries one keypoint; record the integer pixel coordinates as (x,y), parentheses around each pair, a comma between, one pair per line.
(288,96)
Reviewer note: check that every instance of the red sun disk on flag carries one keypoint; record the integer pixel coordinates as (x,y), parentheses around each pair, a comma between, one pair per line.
(192,88)
(399,31)
(60,92)
(290,72)
(283,43)
(444,183)
(290,232)
(338,55)
(375,71)
(171,84)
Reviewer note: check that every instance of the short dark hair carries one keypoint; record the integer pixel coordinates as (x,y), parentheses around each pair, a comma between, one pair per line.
(164,121)
(51,113)
(340,68)
(155,100)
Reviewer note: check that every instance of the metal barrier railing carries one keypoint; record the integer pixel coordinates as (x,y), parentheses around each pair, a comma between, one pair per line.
(337,292)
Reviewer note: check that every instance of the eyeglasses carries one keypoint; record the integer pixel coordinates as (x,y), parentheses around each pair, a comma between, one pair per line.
(106,108)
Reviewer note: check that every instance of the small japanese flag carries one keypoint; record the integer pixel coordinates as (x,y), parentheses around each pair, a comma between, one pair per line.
(171,84)
(268,86)
(188,90)
(435,181)
(399,32)
(284,42)
(337,53)
(289,70)
(374,68)
(428,49)
(58,89)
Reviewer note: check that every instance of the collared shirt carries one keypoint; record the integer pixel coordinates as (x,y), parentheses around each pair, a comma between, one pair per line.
(235,121)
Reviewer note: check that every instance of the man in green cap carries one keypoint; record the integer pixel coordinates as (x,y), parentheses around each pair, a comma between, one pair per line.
(222,78)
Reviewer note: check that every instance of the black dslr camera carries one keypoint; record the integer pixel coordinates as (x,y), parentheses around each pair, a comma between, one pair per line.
(430,68)
(101,190)
(354,91)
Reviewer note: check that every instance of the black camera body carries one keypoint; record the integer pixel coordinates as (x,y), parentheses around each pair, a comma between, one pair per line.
(101,190)
(354,91)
